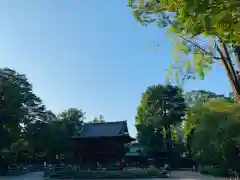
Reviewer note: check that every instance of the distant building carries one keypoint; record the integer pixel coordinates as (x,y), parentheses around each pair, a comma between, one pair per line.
(135,156)
(101,143)
(135,149)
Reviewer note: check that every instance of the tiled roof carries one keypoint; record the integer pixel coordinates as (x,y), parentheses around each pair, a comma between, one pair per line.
(107,129)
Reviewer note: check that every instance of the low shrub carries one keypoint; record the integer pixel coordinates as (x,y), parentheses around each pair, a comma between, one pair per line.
(214,171)
(57,171)
(35,167)
(83,174)
(120,174)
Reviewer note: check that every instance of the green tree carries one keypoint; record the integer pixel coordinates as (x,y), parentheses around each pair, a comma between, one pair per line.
(53,136)
(219,18)
(23,151)
(72,118)
(195,100)
(160,108)
(204,33)
(38,135)
(18,105)
(20,145)
(201,96)
(151,137)
(213,133)
(59,141)
(49,116)
(64,127)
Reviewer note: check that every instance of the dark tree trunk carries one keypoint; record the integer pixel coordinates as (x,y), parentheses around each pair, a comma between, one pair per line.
(231,72)
(169,140)
(237,54)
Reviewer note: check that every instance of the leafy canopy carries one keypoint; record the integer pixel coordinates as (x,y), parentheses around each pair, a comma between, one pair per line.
(201,96)
(165,104)
(219,18)
(54,135)
(161,106)
(213,132)
(19,106)
(197,29)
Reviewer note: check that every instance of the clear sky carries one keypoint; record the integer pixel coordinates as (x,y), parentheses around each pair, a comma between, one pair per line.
(88,54)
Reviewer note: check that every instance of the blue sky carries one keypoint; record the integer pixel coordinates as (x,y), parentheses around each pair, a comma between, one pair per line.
(88,54)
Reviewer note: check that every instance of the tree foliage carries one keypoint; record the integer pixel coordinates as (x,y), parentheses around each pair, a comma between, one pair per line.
(151,137)
(26,125)
(72,119)
(201,96)
(161,106)
(216,18)
(20,145)
(203,33)
(213,133)
(53,137)
(18,105)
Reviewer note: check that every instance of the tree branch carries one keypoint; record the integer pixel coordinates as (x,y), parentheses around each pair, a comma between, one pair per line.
(199,47)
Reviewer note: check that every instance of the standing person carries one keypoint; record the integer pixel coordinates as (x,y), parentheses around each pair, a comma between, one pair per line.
(167,169)
(193,168)
(123,164)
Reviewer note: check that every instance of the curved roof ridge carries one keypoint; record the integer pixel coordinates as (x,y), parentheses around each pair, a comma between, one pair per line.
(105,129)
(107,122)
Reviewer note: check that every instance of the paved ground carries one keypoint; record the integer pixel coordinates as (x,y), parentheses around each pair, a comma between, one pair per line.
(29,176)
(188,175)
(178,175)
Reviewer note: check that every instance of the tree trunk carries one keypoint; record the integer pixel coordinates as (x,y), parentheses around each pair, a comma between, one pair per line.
(231,72)
(237,54)
(169,140)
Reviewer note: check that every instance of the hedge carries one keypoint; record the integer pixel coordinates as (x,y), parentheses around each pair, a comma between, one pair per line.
(66,173)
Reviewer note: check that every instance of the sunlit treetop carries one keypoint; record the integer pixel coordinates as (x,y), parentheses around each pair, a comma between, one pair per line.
(219,18)
(197,29)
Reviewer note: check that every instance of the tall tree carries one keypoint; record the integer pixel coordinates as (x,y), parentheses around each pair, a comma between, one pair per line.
(204,32)
(160,107)
(195,100)
(213,133)
(18,105)
(53,136)
(151,137)
(73,118)
(38,135)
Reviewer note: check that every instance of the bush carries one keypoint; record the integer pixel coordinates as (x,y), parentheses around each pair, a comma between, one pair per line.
(58,171)
(152,170)
(214,171)
(120,174)
(35,167)
(70,173)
